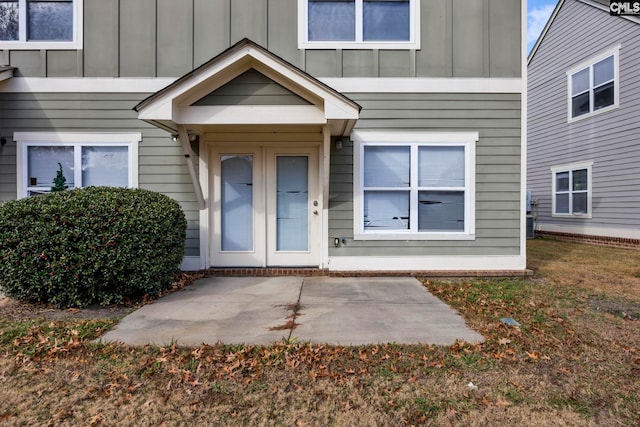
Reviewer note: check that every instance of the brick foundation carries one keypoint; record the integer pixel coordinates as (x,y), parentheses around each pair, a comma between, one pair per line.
(618,242)
(310,272)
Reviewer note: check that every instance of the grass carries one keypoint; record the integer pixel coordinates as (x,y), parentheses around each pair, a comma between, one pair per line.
(575,360)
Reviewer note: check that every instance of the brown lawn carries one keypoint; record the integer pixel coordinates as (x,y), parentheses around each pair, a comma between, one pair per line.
(575,360)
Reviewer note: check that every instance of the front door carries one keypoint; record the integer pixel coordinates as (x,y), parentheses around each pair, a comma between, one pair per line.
(265,207)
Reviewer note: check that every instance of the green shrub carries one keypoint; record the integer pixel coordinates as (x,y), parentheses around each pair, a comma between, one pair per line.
(96,245)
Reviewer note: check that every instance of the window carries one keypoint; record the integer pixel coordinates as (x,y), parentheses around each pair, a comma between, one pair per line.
(415,185)
(86,160)
(572,190)
(35,24)
(344,24)
(593,86)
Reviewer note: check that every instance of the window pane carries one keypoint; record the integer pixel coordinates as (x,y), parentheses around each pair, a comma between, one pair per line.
(562,203)
(441,211)
(580,181)
(107,166)
(580,81)
(603,71)
(603,96)
(580,203)
(292,203)
(386,20)
(42,165)
(237,203)
(562,181)
(50,20)
(580,104)
(386,166)
(441,166)
(9,20)
(332,20)
(386,210)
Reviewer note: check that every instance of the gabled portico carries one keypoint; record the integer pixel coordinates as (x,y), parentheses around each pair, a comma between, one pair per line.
(264,129)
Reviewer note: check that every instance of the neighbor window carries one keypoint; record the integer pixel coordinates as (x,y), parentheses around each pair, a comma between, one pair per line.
(593,86)
(356,23)
(37,24)
(86,160)
(572,190)
(415,185)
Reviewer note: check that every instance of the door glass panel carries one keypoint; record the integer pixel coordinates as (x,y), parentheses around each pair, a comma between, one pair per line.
(237,203)
(292,203)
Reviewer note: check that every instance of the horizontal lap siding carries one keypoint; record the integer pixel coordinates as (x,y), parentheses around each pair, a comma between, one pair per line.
(610,139)
(162,168)
(495,117)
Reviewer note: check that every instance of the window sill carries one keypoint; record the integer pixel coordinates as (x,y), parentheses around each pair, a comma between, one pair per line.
(593,113)
(414,236)
(577,216)
(408,45)
(41,45)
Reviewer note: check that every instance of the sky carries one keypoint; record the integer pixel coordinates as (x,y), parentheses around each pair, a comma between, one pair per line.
(537,15)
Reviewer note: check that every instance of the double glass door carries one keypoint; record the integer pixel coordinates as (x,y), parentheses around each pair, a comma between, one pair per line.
(265,207)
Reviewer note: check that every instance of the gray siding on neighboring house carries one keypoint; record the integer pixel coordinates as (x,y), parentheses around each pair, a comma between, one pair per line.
(610,139)
(162,167)
(497,119)
(168,38)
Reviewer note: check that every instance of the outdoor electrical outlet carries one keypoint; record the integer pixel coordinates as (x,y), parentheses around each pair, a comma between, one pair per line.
(336,242)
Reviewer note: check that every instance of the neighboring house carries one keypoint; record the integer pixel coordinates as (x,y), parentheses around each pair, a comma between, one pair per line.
(340,135)
(583,125)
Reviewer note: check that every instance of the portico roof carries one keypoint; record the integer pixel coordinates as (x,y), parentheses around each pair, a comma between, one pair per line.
(176,105)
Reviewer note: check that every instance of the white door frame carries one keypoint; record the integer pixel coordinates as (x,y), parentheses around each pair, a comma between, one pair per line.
(264,174)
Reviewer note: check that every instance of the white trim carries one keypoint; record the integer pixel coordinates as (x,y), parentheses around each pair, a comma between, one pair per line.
(570,168)
(524,99)
(423,263)
(588,64)
(466,139)
(6,74)
(204,224)
(424,85)
(24,44)
(26,139)
(342,84)
(412,43)
(588,229)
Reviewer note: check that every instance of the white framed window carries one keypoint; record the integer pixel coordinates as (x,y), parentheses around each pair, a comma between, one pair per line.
(571,188)
(593,86)
(37,24)
(87,159)
(358,24)
(414,186)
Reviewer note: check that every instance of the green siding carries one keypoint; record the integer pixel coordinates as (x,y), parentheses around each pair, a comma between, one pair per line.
(251,88)
(161,164)
(168,38)
(495,117)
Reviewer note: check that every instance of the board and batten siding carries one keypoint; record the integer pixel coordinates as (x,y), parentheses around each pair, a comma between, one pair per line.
(162,167)
(169,38)
(610,140)
(497,119)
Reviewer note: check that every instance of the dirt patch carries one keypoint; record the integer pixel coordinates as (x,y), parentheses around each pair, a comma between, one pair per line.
(627,310)
(16,310)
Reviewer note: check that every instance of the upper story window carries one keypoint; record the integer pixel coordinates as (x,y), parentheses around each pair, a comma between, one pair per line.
(572,190)
(593,86)
(357,24)
(34,24)
(415,186)
(87,159)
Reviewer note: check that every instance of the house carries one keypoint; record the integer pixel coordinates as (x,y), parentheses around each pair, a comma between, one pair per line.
(583,127)
(356,135)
